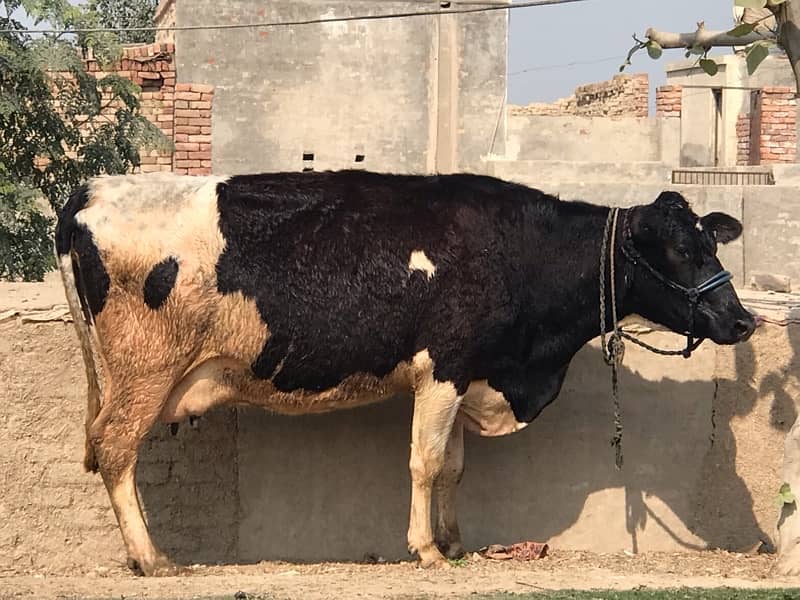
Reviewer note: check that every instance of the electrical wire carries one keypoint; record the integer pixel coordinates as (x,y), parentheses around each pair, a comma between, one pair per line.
(566,65)
(403,15)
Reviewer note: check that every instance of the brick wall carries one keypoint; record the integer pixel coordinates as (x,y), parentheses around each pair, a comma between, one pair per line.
(743,137)
(778,143)
(668,101)
(622,96)
(182,111)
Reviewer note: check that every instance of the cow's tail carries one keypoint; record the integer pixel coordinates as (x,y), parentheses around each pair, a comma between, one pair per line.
(69,266)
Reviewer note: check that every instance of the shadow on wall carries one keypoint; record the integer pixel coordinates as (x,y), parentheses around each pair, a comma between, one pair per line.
(336,486)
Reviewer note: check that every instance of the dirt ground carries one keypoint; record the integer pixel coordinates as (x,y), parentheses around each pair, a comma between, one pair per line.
(560,570)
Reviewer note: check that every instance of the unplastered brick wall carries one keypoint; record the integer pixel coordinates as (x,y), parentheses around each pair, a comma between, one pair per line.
(743,139)
(182,111)
(193,128)
(668,101)
(622,96)
(778,140)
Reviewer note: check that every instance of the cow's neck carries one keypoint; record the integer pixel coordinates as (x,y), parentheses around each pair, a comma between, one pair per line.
(569,308)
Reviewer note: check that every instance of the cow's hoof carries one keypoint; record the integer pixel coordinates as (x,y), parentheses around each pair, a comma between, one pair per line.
(431,558)
(452,550)
(161,566)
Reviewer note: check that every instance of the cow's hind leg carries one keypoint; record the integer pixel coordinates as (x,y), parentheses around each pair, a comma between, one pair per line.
(127,416)
(435,407)
(448,537)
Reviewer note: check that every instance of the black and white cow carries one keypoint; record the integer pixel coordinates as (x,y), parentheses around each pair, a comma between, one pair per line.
(313,292)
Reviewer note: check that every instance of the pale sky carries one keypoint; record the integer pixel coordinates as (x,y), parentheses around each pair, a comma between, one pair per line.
(547,38)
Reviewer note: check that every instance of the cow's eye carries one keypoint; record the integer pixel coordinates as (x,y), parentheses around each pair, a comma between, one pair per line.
(683,252)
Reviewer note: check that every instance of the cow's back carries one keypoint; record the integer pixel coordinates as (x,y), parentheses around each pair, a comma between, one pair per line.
(308,277)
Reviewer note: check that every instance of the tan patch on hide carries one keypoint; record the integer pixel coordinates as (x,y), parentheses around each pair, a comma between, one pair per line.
(220,381)
(486,411)
(138,221)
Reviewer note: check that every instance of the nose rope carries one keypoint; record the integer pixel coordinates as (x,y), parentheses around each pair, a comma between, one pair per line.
(614,350)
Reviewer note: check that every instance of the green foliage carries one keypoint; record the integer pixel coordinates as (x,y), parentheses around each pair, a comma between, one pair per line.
(709,66)
(58,126)
(654,50)
(125,13)
(785,495)
(755,55)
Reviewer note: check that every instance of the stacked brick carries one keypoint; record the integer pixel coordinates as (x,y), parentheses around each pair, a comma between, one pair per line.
(778,143)
(743,140)
(668,101)
(193,128)
(622,96)
(181,111)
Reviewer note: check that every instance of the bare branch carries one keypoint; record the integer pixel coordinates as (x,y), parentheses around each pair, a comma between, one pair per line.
(704,38)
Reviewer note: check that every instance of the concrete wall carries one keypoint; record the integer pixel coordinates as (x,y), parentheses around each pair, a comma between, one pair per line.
(699,110)
(410,95)
(623,139)
(702,442)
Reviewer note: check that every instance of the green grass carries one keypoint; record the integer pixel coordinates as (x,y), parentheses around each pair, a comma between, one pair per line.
(681,594)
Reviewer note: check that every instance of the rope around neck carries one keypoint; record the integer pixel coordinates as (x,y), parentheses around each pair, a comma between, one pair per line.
(614,351)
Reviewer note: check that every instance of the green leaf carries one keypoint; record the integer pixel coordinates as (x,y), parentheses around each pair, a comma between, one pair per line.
(776,2)
(756,54)
(751,3)
(785,495)
(654,50)
(709,66)
(697,50)
(742,29)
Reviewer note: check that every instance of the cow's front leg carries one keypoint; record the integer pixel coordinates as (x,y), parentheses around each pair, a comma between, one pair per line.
(435,406)
(448,537)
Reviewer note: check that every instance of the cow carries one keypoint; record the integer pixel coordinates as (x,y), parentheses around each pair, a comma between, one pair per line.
(312,292)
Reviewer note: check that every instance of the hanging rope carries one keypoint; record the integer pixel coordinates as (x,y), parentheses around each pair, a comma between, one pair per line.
(614,350)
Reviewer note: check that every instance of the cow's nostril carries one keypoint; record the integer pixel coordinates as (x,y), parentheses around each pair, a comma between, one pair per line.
(744,327)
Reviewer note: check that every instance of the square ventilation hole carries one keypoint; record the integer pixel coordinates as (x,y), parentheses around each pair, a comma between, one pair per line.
(308,156)
(359,158)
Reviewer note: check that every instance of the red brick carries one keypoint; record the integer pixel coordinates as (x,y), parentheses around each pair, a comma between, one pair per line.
(187,96)
(202,88)
(187,129)
(205,130)
(201,104)
(181,137)
(187,146)
(200,138)
(182,104)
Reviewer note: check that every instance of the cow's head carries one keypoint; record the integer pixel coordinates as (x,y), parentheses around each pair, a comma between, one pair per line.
(682,248)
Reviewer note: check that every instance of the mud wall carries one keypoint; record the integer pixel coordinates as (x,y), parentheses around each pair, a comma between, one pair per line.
(703,444)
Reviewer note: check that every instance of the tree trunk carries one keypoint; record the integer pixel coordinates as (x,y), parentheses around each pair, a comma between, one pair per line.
(788,17)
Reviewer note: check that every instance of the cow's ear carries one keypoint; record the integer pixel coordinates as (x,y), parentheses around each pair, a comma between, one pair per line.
(643,228)
(723,227)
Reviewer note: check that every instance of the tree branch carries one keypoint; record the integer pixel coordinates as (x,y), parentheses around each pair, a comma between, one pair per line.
(704,38)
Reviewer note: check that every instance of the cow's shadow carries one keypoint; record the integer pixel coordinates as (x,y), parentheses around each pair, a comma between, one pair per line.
(246,485)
